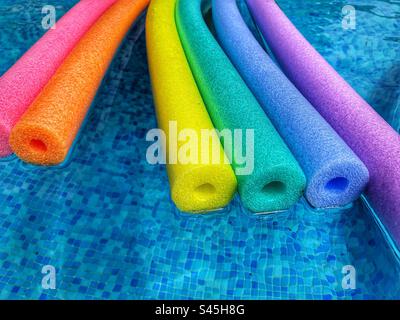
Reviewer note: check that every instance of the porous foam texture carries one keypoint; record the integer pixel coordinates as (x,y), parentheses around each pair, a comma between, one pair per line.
(21,84)
(277,181)
(371,138)
(201,185)
(335,175)
(45,132)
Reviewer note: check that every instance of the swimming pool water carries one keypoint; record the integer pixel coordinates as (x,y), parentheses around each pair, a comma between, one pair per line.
(104,219)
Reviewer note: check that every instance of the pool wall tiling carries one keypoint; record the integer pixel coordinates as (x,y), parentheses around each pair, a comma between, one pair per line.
(105,221)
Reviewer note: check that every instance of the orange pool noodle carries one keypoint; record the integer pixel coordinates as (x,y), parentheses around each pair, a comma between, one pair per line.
(48,128)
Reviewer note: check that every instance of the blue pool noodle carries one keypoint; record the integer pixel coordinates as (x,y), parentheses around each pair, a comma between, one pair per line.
(336,176)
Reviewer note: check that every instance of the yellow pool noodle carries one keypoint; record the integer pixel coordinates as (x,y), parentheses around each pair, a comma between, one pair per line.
(194,187)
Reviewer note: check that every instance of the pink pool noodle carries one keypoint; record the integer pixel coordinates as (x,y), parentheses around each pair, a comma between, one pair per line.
(372,139)
(20,85)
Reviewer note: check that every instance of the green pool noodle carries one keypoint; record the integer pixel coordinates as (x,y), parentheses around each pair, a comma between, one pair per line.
(276,181)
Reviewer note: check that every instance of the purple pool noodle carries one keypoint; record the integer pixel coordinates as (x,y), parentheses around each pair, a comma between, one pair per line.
(372,139)
(335,175)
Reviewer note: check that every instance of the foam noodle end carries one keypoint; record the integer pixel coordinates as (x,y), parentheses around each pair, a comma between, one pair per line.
(37,144)
(273,190)
(337,184)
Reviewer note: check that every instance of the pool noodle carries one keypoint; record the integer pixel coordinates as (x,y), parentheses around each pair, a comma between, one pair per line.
(194,187)
(363,129)
(46,131)
(21,84)
(277,180)
(335,175)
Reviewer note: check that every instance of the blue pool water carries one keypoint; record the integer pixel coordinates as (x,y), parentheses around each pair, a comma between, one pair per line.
(104,219)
